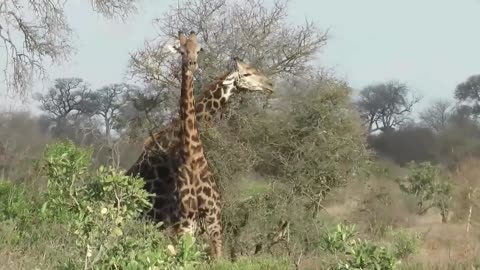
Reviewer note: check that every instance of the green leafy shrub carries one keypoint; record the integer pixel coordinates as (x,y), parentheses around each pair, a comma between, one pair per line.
(355,253)
(104,209)
(404,243)
(143,246)
(365,255)
(310,144)
(18,213)
(430,186)
(15,203)
(250,264)
(66,168)
(339,239)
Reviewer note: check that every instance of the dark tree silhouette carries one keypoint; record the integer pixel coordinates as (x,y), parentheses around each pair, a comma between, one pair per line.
(468,93)
(384,106)
(66,98)
(107,102)
(437,115)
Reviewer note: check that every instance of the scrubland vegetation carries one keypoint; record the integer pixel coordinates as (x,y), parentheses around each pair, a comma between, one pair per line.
(311,179)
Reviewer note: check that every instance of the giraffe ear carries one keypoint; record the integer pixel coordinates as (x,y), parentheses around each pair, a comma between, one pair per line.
(182,38)
(173,49)
(240,64)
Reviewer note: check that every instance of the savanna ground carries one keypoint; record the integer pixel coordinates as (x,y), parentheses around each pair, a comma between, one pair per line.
(305,183)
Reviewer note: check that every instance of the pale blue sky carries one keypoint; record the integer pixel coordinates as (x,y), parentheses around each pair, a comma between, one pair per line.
(431,45)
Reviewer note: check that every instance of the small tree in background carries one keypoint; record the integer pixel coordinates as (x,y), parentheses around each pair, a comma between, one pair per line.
(385,106)
(437,115)
(107,103)
(430,186)
(64,102)
(468,92)
(145,109)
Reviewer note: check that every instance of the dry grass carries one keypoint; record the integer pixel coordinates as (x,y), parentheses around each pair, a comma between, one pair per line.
(467,192)
(377,206)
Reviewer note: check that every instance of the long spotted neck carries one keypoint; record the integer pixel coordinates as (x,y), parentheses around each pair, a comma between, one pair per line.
(216,97)
(206,106)
(189,133)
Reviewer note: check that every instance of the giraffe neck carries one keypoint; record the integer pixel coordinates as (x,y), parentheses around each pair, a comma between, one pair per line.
(214,99)
(216,96)
(189,133)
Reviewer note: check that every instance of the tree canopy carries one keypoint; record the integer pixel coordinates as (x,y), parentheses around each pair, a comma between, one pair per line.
(385,106)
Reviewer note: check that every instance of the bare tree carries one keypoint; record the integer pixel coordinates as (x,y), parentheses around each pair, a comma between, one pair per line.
(114,8)
(247,29)
(145,109)
(66,98)
(437,115)
(107,102)
(35,31)
(386,105)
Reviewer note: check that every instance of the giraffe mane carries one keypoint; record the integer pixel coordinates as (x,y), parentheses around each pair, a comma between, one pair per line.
(213,85)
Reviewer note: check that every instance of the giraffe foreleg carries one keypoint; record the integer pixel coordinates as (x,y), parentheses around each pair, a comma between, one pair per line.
(213,228)
(188,203)
(210,212)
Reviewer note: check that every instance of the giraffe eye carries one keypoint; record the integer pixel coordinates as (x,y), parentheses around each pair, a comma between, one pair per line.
(246,74)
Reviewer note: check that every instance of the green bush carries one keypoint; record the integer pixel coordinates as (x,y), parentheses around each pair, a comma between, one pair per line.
(310,144)
(430,186)
(365,255)
(352,253)
(404,243)
(66,169)
(143,246)
(103,210)
(339,239)
(15,203)
(250,264)
(18,213)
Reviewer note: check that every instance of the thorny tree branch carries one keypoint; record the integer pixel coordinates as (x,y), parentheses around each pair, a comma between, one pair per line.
(34,32)
(246,29)
(114,8)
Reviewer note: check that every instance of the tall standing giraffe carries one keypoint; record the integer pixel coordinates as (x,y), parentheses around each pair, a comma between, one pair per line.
(160,150)
(199,197)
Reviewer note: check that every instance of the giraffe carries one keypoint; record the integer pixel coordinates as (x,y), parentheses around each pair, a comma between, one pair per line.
(199,196)
(244,78)
(160,149)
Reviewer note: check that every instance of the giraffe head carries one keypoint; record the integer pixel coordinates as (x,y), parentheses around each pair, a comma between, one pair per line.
(189,49)
(250,79)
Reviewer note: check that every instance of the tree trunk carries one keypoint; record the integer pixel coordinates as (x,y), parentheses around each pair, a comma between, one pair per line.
(444,217)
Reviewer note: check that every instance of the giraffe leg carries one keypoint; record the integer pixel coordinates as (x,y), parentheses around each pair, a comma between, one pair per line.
(188,205)
(213,224)
(210,209)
